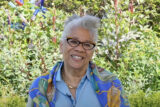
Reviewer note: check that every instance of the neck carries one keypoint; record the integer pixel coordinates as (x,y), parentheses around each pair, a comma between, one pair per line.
(73,76)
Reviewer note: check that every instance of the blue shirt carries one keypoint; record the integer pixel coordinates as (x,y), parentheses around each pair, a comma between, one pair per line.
(108,90)
(85,94)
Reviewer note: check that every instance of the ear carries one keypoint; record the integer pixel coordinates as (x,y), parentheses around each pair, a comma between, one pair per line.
(61,47)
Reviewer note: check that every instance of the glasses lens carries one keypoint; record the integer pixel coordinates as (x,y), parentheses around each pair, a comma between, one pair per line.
(88,46)
(72,42)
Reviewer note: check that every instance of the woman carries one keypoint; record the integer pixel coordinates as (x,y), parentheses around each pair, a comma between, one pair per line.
(76,81)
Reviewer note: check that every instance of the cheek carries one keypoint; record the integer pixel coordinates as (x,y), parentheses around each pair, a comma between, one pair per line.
(66,50)
(90,54)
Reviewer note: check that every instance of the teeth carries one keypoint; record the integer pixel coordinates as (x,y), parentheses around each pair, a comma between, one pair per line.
(76,57)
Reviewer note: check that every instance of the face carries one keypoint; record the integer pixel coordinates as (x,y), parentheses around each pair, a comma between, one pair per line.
(77,57)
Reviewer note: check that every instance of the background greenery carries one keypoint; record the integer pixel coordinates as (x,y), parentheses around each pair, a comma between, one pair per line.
(129,45)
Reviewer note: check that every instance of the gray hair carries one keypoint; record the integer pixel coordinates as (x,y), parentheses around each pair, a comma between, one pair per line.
(88,22)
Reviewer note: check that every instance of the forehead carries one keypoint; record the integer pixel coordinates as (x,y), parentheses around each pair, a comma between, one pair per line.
(81,34)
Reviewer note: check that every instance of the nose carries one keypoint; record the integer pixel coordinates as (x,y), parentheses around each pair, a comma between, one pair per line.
(80,48)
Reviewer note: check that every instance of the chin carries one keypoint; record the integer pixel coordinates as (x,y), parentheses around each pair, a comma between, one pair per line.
(78,66)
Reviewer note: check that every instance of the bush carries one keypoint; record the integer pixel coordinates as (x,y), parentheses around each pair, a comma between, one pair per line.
(141,99)
(12,101)
(127,45)
(140,62)
(26,53)
(9,98)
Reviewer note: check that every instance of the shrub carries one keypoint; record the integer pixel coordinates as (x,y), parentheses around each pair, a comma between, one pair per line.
(141,99)
(139,66)
(129,47)
(26,53)
(9,98)
(12,101)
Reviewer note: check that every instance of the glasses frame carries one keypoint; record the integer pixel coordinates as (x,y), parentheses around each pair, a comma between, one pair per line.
(68,38)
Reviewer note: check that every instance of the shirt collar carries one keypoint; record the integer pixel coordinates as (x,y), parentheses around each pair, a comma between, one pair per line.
(59,77)
(88,73)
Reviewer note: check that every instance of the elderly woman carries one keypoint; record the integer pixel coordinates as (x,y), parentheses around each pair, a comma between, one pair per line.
(76,81)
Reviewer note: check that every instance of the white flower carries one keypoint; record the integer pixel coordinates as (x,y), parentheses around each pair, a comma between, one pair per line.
(104,41)
(106,51)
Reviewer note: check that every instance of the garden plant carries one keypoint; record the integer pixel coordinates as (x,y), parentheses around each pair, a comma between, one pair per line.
(129,44)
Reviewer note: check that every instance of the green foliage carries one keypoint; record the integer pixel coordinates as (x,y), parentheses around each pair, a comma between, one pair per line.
(9,98)
(12,101)
(26,54)
(142,65)
(150,10)
(129,44)
(129,48)
(141,99)
(80,6)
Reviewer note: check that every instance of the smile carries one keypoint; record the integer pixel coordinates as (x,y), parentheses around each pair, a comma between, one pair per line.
(77,57)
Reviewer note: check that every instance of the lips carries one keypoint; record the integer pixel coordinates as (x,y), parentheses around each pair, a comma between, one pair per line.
(77,57)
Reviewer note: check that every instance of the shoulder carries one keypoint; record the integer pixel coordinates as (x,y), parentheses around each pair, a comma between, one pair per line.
(39,80)
(46,77)
(102,73)
(38,86)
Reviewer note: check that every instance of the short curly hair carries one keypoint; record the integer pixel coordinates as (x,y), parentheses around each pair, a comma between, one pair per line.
(88,22)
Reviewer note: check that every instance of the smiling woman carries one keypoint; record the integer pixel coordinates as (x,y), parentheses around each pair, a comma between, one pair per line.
(76,81)
(76,58)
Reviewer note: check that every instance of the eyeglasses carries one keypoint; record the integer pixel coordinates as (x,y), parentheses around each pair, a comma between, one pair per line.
(74,43)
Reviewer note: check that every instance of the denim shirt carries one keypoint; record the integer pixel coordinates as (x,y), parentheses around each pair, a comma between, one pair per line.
(97,88)
(85,94)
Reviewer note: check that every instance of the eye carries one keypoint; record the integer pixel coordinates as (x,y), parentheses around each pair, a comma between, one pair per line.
(73,42)
(88,45)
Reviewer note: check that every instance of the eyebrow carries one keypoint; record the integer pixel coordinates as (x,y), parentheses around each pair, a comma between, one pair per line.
(88,41)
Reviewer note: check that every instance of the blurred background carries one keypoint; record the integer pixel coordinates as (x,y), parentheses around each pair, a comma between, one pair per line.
(129,44)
